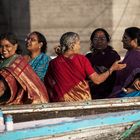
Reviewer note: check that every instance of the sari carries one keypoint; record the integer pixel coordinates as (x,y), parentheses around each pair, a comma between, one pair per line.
(40,65)
(101,61)
(23,83)
(129,84)
(132,60)
(65,78)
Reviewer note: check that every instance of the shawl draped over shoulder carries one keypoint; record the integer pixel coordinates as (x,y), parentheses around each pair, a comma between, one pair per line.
(25,86)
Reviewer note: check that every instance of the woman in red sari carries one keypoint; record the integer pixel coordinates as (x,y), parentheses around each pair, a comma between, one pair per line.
(19,84)
(65,78)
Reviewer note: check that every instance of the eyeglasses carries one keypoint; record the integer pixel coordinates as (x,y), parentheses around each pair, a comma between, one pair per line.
(99,38)
(31,39)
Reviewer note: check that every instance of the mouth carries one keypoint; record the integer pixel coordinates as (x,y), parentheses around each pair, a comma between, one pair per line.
(28,45)
(4,53)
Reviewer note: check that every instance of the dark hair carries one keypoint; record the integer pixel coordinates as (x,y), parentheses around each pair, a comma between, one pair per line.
(41,38)
(67,40)
(104,31)
(108,38)
(138,38)
(132,32)
(12,39)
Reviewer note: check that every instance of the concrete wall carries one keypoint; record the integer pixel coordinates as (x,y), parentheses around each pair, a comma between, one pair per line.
(59,16)
(54,17)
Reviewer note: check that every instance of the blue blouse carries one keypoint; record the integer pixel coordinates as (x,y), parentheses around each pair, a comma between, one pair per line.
(40,65)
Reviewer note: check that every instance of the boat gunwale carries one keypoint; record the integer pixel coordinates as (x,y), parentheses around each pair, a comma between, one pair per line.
(62,106)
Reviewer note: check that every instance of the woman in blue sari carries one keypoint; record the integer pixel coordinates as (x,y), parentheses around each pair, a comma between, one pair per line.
(37,45)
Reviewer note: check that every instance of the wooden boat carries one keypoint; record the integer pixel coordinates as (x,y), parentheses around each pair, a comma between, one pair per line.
(23,113)
(123,112)
(117,126)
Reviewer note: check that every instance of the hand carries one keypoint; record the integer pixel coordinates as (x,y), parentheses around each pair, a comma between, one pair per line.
(2,88)
(136,84)
(117,66)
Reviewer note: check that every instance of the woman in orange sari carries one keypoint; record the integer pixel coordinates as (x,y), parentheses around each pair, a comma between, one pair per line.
(19,84)
(65,78)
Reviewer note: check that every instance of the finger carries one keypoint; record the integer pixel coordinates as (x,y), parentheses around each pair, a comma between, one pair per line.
(119,61)
(137,86)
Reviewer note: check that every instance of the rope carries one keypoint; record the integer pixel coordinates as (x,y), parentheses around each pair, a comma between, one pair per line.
(129,131)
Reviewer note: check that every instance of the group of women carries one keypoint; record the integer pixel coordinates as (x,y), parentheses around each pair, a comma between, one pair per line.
(71,76)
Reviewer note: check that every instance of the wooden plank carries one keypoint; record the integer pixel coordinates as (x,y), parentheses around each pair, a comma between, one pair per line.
(55,110)
(79,124)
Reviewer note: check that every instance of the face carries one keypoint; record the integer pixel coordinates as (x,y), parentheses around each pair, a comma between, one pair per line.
(99,41)
(76,47)
(32,43)
(126,42)
(8,49)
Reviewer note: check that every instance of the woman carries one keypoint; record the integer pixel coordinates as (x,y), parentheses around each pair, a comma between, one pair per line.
(18,82)
(65,78)
(101,57)
(37,45)
(132,58)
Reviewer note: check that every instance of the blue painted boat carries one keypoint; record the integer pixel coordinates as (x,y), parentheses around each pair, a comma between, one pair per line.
(69,114)
(117,126)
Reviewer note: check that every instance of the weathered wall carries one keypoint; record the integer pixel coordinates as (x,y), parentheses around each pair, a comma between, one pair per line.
(125,13)
(54,17)
(59,16)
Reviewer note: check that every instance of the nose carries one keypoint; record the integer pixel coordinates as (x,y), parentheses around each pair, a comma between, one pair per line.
(3,48)
(27,39)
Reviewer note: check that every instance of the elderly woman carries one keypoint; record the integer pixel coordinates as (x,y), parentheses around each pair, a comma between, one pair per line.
(101,57)
(37,45)
(19,84)
(65,78)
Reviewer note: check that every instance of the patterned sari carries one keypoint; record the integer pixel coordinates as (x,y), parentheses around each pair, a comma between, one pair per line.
(40,65)
(65,79)
(23,84)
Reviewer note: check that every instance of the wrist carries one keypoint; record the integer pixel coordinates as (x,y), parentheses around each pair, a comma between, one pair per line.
(110,71)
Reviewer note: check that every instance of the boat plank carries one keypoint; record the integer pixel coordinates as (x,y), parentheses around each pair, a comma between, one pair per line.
(63,109)
(78,124)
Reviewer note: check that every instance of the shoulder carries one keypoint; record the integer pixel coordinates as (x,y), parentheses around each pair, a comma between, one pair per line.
(56,59)
(45,57)
(19,59)
(26,57)
(113,52)
(79,56)
(89,55)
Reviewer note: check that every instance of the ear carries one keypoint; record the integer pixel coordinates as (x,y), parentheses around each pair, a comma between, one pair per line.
(72,47)
(41,44)
(134,43)
(16,46)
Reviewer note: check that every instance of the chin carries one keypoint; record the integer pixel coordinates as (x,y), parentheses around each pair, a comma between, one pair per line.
(6,56)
